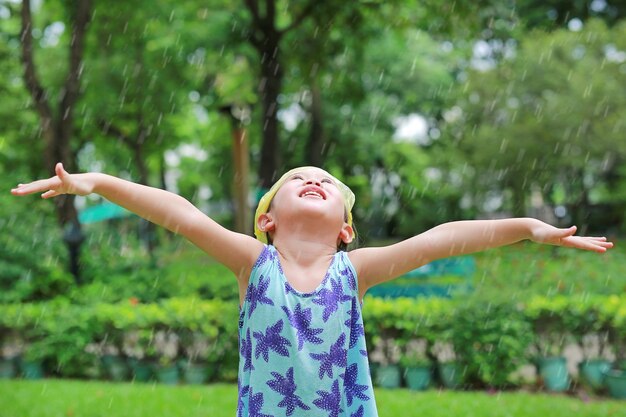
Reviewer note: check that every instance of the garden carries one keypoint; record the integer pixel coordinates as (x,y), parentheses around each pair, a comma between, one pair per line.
(504,340)
(431,112)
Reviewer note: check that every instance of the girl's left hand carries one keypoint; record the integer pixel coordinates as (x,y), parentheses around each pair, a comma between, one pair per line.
(544,233)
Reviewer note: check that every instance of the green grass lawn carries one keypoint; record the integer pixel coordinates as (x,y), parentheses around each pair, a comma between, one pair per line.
(63,398)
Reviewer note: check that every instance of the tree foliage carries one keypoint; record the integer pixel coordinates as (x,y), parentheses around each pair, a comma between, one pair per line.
(515,103)
(549,117)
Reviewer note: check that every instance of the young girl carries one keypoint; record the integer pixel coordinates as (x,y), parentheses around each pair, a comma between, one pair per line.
(301,339)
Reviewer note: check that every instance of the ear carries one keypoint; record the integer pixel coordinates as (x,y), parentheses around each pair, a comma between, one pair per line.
(265,222)
(347,233)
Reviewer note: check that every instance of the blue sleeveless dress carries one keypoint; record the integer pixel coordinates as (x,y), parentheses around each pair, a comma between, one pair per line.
(303,354)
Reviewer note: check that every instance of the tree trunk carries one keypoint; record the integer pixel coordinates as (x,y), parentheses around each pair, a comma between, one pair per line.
(57,131)
(266,37)
(317,145)
(519,201)
(147,229)
(580,209)
(270,87)
(241,162)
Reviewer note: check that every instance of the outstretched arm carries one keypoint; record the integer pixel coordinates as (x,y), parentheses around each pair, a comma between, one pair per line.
(237,251)
(375,265)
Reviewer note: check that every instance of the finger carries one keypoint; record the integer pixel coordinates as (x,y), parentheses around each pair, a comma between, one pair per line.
(60,171)
(599,241)
(595,246)
(36,186)
(596,238)
(23,188)
(567,232)
(50,193)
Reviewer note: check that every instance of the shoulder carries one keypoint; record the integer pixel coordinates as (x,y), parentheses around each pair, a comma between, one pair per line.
(362,259)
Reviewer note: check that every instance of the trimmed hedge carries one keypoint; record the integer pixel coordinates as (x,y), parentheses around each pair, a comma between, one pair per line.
(491,340)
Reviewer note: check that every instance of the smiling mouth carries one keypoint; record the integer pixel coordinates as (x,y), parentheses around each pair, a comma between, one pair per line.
(312,194)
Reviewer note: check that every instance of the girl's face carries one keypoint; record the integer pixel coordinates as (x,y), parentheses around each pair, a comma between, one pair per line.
(310,194)
(310,190)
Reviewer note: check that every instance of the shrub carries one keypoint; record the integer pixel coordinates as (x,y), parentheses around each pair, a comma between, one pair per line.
(491,341)
(33,256)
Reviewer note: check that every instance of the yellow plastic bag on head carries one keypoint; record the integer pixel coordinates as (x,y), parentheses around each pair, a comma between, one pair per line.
(264,203)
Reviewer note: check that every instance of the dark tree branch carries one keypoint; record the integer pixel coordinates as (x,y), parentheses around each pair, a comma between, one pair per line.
(270,13)
(254,11)
(297,21)
(37,92)
(255,41)
(77,47)
(108,129)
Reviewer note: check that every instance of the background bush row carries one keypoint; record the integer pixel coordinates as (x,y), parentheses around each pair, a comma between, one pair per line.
(492,340)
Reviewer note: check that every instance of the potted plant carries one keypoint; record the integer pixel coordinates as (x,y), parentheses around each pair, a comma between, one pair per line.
(166,345)
(586,324)
(112,321)
(550,338)
(11,347)
(198,365)
(386,355)
(112,362)
(416,364)
(594,365)
(550,361)
(33,356)
(448,367)
(138,349)
(615,378)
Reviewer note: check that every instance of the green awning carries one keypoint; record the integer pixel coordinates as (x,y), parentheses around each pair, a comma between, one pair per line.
(101,212)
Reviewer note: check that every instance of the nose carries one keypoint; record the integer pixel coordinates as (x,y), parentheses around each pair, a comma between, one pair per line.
(313,181)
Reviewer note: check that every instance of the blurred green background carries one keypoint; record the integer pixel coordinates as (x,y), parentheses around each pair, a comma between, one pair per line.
(430,111)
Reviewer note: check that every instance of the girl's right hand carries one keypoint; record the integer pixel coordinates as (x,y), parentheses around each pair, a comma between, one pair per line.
(62,183)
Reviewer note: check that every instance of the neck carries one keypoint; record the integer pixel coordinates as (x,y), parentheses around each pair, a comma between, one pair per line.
(304,250)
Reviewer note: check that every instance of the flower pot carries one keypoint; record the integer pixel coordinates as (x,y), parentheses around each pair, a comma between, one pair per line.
(388,376)
(553,371)
(197,374)
(141,370)
(115,368)
(167,374)
(7,368)
(418,377)
(592,372)
(450,374)
(31,369)
(615,381)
